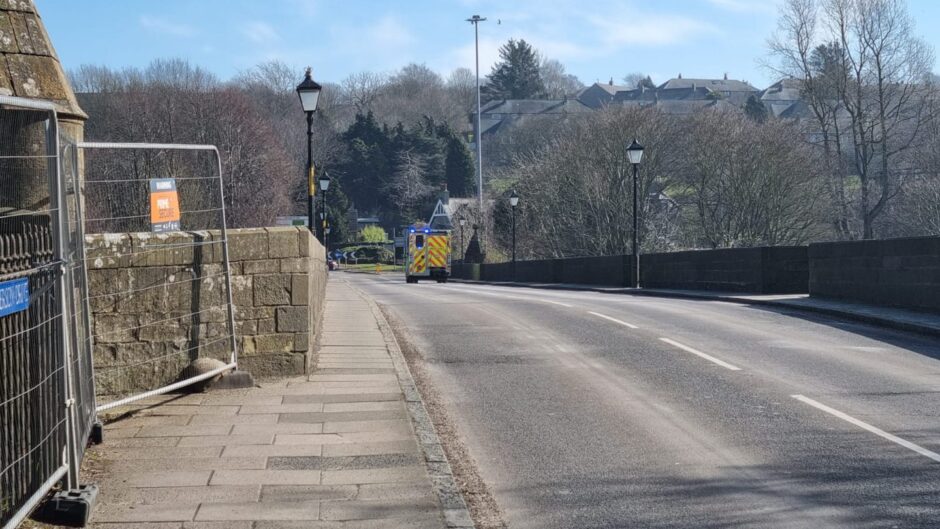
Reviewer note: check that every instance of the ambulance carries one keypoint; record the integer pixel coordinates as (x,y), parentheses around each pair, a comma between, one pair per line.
(427,254)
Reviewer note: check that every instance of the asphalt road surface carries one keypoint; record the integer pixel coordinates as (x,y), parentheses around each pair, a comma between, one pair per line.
(589,410)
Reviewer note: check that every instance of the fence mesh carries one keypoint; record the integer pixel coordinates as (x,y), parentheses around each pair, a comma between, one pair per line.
(33,416)
(159,289)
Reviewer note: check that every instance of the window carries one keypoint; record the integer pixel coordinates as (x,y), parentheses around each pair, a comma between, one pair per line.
(419,241)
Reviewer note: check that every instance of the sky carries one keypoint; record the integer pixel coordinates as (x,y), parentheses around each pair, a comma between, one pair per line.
(596,40)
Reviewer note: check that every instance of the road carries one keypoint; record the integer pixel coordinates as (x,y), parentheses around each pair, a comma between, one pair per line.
(589,410)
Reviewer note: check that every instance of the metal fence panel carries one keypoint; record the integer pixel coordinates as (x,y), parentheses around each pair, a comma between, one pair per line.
(159,283)
(34,419)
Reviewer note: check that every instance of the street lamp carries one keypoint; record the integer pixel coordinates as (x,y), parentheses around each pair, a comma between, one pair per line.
(635,154)
(513,202)
(324,187)
(309,92)
(326,244)
(478,135)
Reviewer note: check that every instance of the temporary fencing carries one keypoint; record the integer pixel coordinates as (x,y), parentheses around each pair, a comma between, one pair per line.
(36,439)
(159,297)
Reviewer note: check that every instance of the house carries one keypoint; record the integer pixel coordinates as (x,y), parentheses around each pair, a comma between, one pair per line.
(504,113)
(683,96)
(783,98)
(599,95)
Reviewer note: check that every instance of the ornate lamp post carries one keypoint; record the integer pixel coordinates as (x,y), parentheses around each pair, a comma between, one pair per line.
(309,92)
(635,154)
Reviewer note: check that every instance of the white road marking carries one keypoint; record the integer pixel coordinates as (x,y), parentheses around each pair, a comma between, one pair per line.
(865,426)
(615,320)
(553,302)
(696,352)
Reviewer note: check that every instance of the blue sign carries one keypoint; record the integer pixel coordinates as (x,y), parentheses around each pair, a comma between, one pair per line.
(14,296)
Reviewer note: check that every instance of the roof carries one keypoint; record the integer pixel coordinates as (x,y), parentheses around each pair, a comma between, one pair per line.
(783,90)
(29,66)
(497,113)
(726,85)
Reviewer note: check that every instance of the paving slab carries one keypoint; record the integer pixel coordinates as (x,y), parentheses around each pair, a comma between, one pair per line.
(333,450)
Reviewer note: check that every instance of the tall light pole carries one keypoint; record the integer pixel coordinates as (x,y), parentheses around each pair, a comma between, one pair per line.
(309,92)
(635,154)
(513,202)
(478,133)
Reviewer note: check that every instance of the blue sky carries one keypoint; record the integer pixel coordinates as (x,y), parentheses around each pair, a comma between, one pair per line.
(596,40)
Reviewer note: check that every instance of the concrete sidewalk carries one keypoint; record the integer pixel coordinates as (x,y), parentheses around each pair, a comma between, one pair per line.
(348,447)
(893,318)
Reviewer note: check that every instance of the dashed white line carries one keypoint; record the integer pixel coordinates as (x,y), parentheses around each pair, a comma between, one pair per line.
(696,352)
(615,320)
(865,426)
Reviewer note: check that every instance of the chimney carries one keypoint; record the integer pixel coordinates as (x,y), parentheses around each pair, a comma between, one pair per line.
(680,75)
(611,83)
(445,194)
(726,76)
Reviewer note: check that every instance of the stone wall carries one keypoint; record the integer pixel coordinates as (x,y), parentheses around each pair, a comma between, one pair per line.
(768,270)
(278,286)
(894,272)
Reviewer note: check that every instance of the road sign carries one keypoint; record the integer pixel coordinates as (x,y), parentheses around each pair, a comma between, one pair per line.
(14,296)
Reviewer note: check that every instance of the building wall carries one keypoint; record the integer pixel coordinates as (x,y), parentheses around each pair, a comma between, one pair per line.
(278,287)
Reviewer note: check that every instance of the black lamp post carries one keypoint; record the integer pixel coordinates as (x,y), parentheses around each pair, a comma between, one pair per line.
(324,187)
(635,153)
(513,202)
(463,222)
(309,92)
(326,237)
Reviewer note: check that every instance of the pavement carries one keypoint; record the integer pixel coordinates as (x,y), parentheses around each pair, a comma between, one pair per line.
(588,410)
(348,447)
(894,318)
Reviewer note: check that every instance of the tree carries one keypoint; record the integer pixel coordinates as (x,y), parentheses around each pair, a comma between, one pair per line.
(637,80)
(373,234)
(866,78)
(517,74)
(754,109)
(558,83)
(458,166)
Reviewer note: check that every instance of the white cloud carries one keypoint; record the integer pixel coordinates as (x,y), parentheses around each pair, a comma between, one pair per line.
(162,25)
(261,33)
(649,29)
(746,6)
(389,32)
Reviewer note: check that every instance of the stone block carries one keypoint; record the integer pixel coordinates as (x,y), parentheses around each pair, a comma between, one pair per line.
(274,343)
(293,319)
(264,266)
(273,364)
(253,313)
(243,290)
(267,326)
(302,342)
(294,265)
(283,242)
(272,290)
(116,328)
(300,289)
(247,244)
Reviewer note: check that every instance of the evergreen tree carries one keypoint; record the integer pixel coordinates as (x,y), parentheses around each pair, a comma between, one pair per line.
(517,75)
(458,164)
(754,108)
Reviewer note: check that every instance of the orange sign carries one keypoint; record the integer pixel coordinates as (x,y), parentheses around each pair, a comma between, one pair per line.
(164,205)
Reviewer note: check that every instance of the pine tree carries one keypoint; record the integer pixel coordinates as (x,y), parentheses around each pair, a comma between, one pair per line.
(517,75)
(754,108)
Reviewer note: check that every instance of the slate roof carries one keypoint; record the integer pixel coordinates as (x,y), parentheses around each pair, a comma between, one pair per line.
(496,114)
(728,85)
(29,66)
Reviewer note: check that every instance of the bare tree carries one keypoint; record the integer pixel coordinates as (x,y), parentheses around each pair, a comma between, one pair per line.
(867,79)
(409,185)
(558,83)
(363,88)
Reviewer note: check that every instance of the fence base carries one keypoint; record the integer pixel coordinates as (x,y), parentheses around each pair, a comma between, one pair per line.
(96,437)
(69,508)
